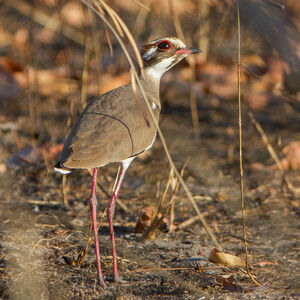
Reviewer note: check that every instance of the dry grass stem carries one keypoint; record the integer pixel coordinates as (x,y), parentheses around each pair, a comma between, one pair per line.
(160,213)
(278,5)
(203,30)
(142,5)
(266,141)
(140,21)
(65,189)
(43,202)
(85,72)
(158,216)
(96,47)
(241,145)
(294,190)
(188,222)
(192,64)
(175,186)
(163,197)
(135,91)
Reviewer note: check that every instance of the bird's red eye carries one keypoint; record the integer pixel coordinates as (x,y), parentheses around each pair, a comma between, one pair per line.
(164,46)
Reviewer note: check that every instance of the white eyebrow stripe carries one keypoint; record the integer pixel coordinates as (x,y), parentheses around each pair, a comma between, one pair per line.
(149,52)
(179,43)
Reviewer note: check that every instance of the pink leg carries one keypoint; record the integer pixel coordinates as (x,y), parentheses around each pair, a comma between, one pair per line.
(110,214)
(93,206)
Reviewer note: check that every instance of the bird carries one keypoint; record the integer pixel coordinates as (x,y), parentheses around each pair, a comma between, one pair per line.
(117,127)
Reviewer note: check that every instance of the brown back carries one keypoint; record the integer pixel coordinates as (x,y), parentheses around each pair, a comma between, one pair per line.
(112,128)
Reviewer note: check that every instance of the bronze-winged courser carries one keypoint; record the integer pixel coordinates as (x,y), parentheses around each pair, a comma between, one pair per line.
(117,127)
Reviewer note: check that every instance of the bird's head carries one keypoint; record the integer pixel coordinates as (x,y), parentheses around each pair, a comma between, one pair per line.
(162,54)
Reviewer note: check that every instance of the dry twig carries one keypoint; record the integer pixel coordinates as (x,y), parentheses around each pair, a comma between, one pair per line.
(241,145)
(192,64)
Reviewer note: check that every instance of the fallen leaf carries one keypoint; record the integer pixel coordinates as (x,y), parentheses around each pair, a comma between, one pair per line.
(49,81)
(28,155)
(257,100)
(109,82)
(46,36)
(5,38)
(228,284)
(219,80)
(292,156)
(2,168)
(144,219)
(9,88)
(73,14)
(264,263)
(223,258)
(51,152)
(276,69)
(10,65)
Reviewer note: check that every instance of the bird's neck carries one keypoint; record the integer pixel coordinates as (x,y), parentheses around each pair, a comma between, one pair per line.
(158,68)
(151,83)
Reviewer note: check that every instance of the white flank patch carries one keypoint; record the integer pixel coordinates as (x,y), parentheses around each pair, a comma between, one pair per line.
(62,171)
(157,70)
(127,162)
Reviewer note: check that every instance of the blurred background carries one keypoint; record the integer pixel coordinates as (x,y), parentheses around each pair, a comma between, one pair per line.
(56,55)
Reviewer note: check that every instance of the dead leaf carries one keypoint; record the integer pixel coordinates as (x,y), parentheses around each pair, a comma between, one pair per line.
(264,263)
(223,258)
(9,88)
(292,156)
(21,37)
(73,14)
(276,69)
(144,220)
(219,80)
(46,36)
(28,155)
(10,65)
(51,152)
(109,82)
(228,284)
(49,81)
(253,60)
(257,100)
(2,168)
(5,38)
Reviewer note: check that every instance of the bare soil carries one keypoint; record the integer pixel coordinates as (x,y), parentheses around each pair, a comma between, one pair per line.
(43,230)
(40,236)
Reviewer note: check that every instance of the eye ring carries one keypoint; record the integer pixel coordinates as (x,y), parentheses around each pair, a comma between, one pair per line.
(164,46)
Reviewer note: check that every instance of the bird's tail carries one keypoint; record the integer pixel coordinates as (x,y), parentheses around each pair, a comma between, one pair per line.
(60,168)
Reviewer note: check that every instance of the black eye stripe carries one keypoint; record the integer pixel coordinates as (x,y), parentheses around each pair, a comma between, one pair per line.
(164,46)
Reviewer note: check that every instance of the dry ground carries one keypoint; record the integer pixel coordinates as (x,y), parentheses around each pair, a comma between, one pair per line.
(41,235)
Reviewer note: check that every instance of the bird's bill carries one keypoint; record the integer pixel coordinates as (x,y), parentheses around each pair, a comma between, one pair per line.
(188,51)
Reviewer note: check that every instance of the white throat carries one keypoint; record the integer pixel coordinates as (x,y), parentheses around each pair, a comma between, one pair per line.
(159,69)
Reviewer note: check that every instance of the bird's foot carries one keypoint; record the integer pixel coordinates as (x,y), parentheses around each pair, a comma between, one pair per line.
(102,283)
(118,279)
